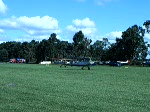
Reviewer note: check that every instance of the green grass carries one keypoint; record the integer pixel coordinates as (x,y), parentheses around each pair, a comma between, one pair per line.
(39,88)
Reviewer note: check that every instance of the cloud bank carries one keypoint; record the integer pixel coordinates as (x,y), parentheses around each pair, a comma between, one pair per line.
(1,31)
(86,25)
(3,7)
(31,25)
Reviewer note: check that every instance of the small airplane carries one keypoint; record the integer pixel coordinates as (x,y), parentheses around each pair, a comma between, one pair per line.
(83,62)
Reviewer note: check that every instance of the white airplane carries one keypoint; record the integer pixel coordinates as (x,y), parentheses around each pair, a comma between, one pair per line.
(83,62)
(124,62)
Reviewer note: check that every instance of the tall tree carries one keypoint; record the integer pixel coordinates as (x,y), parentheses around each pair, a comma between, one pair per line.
(62,49)
(81,44)
(98,50)
(134,44)
(106,45)
(29,51)
(53,44)
(42,51)
(69,50)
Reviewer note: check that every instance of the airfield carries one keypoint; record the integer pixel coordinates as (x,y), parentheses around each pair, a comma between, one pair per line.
(41,88)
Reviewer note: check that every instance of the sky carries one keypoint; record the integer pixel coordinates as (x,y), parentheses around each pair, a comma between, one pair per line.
(26,20)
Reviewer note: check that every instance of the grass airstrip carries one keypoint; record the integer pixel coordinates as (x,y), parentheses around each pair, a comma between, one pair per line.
(40,88)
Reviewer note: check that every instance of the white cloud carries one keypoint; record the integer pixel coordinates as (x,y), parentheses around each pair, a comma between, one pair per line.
(31,25)
(28,28)
(86,30)
(1,31)
(87,26)
(89,29)
(147,37)
(83,23)
(4,38)
(38,22)
(3,7)
(102,2)
(112,36)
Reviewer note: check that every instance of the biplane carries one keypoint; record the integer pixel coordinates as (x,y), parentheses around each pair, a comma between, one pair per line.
(81,62)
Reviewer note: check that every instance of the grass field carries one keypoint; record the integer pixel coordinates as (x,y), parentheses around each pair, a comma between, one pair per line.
(39,88)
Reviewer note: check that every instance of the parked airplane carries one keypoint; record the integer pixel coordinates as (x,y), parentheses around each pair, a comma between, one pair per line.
(83,62)
(146,63)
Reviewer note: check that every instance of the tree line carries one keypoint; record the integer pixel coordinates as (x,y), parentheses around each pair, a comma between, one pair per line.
(131,46)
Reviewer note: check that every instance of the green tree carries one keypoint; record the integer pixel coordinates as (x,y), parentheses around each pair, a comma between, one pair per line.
(32,51)
(106,45)
(53,44)
(29,51)
(98,50)
(14,49)
(147,25)
(4,55)
(134,44)
(69,50)
(42,51)
(81,44)
(112,52)
(116,51)
(62,49)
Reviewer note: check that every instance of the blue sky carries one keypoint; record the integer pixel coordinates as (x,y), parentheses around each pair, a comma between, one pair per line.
(25,20)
